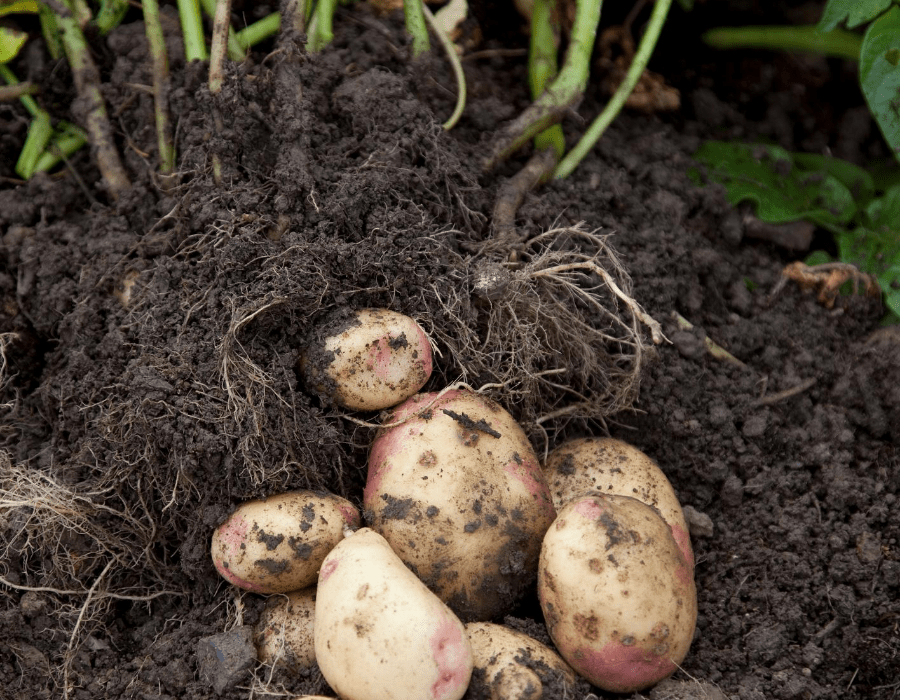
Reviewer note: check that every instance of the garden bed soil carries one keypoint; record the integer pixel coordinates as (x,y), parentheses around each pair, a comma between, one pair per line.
(151,346)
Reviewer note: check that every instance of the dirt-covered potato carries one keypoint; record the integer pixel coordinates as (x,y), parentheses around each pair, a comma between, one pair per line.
(284,634)
(380,633)
(276,545)
(611,466)
(458,492)
(372,360)
(617,593)
(516,667)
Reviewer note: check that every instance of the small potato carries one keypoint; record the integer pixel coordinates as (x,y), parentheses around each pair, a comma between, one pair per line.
(617,593)
(284,634)
(380,633)
(458,492)
(373,360)
(515,666)
(276,545)
(611,466)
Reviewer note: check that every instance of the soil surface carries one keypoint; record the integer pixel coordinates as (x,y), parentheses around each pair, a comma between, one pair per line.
(150,348)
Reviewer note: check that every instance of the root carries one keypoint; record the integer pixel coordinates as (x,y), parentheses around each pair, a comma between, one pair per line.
(559,330)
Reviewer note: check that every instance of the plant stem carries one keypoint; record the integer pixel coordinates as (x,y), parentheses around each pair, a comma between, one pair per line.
(260,30)
(543,67)
(27,100)
(110,16)
(458,73)
(50,30)
(160,59)
(221,26)
(415,25)
(192,29)
(839,43)
(235,50)
(67,139)
(565,91)
(614,106)
(320,29)
(87,83)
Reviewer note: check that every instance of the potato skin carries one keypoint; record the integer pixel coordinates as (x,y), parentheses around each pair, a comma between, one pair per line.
(514,665)
(458,493)
(611,466)
(284,634)
(374,360)
(276,545)
(380,634)
(618,596)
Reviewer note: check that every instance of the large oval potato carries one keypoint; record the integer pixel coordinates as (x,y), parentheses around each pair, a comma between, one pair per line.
(284,633)
(457,491)
(611,466)
(372,360)
(380,634)
(617,593)
(516,667)
(276,545)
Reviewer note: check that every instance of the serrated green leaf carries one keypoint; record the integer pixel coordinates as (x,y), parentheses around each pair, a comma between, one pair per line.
(854,178)
(856,12)
(11,41)
(19,6)
(879,78)
(782,192)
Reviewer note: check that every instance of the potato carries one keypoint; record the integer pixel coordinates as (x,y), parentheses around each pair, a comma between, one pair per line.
(373,360)
(617,593)
(284,634)
(457,491)
(380,633)
(276,545)
(515,666)
(615,467)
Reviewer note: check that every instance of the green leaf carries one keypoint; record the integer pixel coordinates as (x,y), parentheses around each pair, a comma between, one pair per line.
(854,178)
(11,40)
(879,77)
(856,12)
(782,192)
(39,132)
(19,6)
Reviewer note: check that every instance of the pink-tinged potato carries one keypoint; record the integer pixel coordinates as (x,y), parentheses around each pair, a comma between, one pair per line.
(372,360)
(516,667)
(458,492)
(611,466)
(276,545)
(380,634)
(617,593)
(284,634)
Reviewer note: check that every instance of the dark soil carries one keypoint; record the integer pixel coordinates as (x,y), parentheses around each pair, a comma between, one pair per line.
(151,347)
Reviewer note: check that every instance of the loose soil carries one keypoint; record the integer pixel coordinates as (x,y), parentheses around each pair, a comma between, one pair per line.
(150,349)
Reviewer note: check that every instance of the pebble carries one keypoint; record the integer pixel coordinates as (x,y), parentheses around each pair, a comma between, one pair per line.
(225,659)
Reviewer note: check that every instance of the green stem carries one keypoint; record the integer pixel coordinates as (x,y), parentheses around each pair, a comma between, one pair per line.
(415,25)
(565,91)
(838,42)
(320,28)
(110,16)
(192,29)
(259,31)
(235,50)
(67,139)
(160,72)
(87,83)
(543,67)
(458,73)
(50,31)
(27,100)
(615,105)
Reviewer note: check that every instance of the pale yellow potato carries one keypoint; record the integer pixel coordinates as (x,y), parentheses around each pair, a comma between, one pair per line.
(618,595)
(611,466)
(372,360)
(514,666)
(276,545)
(458,492)
(284,634)
(380,634)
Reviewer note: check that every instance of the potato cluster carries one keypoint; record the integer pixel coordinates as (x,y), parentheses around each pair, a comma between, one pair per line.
(461,521)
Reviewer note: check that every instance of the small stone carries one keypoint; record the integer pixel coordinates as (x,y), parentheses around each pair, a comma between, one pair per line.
(700,524)
(225,659)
